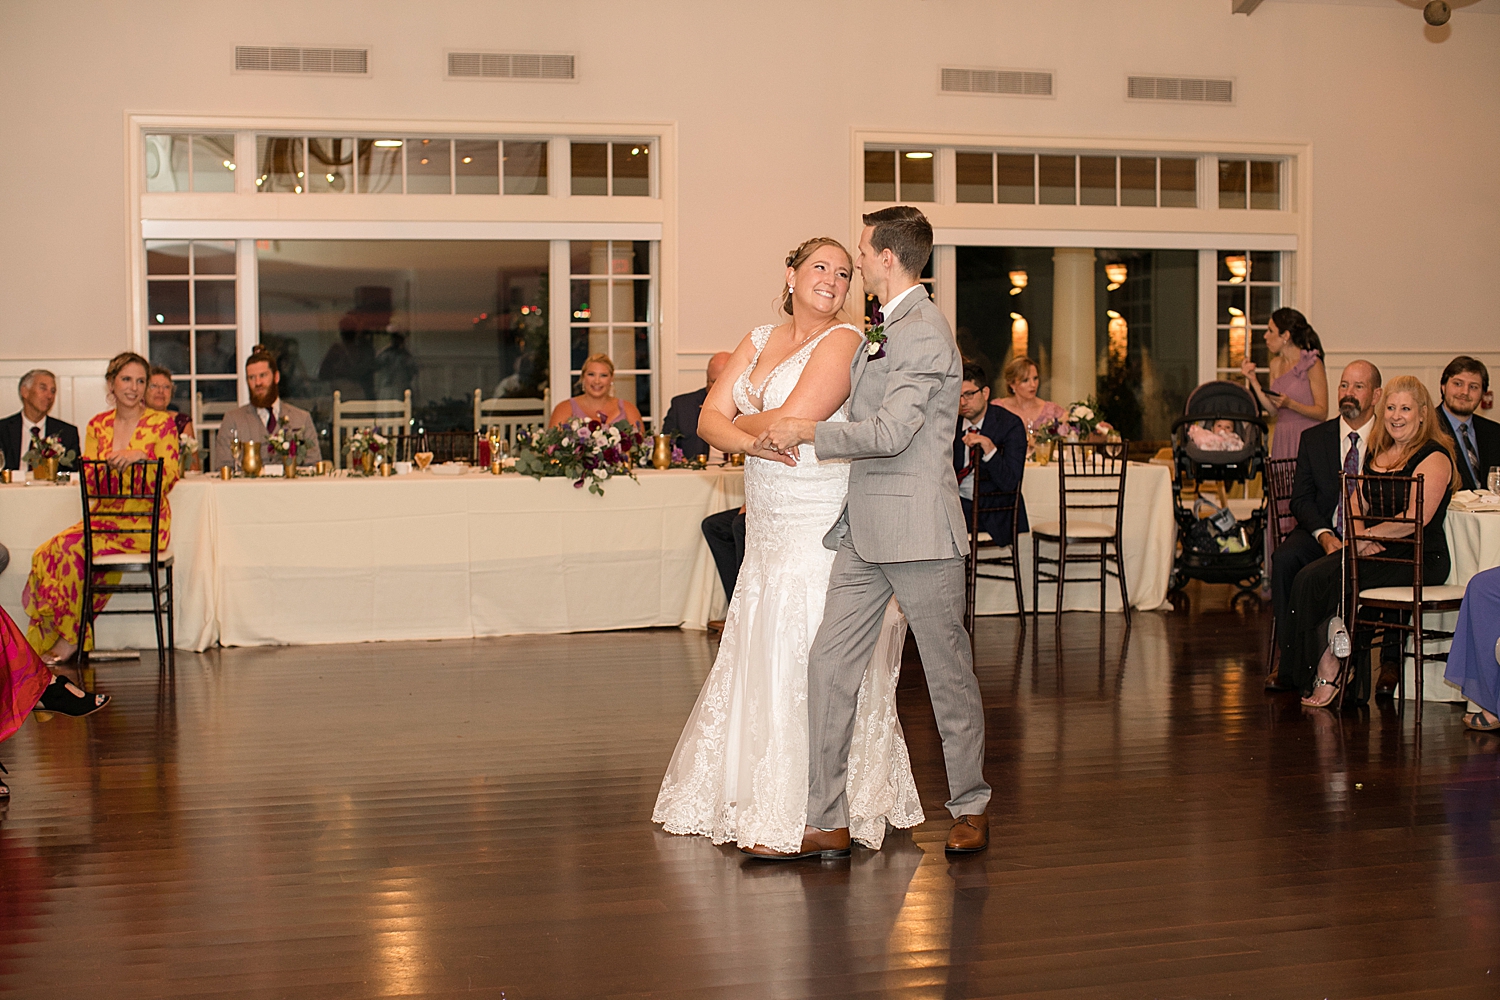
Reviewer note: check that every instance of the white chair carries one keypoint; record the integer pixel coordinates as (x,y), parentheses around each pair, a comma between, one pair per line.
(388,416)
(510,415)
(207,419)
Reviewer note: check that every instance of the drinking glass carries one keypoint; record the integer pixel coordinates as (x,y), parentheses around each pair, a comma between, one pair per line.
(1494,479)
(424,459)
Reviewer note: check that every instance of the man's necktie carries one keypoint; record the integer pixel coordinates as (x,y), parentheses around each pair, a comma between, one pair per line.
(968,456)
(271,423)
(879,316)
(1466,437)
(1351,468)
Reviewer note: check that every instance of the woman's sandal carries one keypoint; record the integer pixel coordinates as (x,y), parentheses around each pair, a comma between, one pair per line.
(1320,682)
(1476,722)
(4,788)
(66,698)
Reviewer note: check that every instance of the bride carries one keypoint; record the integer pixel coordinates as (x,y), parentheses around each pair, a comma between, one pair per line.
(739,773)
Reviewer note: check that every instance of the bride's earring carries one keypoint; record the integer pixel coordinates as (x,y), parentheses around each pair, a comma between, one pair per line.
(789,288)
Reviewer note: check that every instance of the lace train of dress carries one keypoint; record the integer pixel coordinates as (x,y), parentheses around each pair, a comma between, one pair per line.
(739,772)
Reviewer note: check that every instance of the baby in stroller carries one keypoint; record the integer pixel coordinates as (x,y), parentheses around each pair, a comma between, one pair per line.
(1216,435)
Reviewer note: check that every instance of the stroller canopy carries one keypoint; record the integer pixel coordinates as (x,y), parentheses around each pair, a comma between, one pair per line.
(1222,399)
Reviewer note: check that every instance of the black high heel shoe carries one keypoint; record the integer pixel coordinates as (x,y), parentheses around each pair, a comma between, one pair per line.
(60,697)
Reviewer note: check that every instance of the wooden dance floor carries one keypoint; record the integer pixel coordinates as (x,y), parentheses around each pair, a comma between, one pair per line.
(461,818)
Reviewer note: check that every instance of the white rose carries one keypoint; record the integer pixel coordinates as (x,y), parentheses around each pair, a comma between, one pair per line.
(872,348)
(601,474)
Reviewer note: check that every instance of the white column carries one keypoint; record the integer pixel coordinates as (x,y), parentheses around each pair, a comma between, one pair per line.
(945,282)
(1208,308)
(1073,363)
(559,334)
(247,309)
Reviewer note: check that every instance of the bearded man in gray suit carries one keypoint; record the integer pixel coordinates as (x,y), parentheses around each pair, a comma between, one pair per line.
(902,531)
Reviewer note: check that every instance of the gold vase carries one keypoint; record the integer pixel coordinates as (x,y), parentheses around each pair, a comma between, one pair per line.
(1043,452)
(661,451)
(250,463)
(289,467)
(46,469)
(367,463)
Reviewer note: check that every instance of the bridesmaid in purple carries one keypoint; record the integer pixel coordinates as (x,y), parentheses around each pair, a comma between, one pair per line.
(1298,397)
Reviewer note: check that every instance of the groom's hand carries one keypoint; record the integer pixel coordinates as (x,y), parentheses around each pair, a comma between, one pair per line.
(786,433)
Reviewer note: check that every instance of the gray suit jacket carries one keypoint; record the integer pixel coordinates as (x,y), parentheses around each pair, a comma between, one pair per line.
(903,496)
(247,422)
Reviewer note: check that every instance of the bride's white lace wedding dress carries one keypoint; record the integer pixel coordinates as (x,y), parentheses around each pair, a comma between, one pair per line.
(739,772)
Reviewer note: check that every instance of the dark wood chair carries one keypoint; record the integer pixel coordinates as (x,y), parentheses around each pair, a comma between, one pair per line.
(1280,474)
(1403,606)
(1090,524)
(120,506)
(988,558)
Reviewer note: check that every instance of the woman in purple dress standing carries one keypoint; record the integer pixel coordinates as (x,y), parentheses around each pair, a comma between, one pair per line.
(1298,397)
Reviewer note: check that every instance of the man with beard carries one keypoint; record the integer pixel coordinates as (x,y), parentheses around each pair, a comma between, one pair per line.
(1334,446)
(266,413)
(1464,383)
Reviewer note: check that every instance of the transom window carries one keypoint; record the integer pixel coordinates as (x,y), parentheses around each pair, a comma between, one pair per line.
(1058,179)
(899,175)
(190,162)
(621,169)
(1252,183)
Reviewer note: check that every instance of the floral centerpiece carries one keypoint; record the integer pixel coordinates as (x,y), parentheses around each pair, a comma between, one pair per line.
(585,451)
(188,447)
(48,453)
(366,443)
(285,442)
(1080,419)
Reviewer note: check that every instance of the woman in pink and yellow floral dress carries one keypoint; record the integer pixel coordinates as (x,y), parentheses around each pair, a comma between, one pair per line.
(127,434)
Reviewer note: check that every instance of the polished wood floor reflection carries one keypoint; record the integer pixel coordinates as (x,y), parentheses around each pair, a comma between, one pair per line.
(456,818)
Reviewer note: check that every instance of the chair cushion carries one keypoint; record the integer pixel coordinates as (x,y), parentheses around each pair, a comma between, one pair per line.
(163,558)
(1442,592)
(1076,529)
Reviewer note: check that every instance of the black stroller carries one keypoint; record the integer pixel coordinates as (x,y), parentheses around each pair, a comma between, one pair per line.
(1217,545)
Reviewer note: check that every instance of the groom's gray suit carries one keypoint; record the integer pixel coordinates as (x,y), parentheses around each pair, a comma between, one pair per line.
(902,531)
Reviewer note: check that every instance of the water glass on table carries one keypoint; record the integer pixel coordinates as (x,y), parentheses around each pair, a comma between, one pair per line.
(1494,479)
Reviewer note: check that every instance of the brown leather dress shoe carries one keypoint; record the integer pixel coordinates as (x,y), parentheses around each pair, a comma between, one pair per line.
(969,835)
(815,844)
(1389,678)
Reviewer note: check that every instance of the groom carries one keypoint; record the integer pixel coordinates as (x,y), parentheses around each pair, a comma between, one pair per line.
(902,531)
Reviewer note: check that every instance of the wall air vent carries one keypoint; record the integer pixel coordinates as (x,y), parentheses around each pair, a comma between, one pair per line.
(285,59)
(1174,88)
(1009,82)
(509,66)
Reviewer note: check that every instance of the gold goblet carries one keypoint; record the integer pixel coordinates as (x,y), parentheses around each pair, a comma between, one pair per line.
(424,459)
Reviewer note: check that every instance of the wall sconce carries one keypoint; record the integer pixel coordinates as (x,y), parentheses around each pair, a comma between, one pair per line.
(1119,339)
(1020,334)
(1239,268)
(1018,281)
(1116,274)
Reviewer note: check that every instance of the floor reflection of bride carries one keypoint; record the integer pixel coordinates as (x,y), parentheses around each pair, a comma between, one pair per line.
(739,773)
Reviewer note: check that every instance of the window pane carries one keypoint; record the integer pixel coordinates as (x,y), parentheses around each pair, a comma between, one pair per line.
(582,299)
(217,390)
(1265,265)
(163,257)
(477,170)
(166,163)
(1017,178)
(1232,266)
(215,352)
(642,351)
(170,350)
(427,166)
(640,295)
(916,175)
(1137,180)
(632,163)
(641,257)
(213,258)
(584,254)
(578,350)
(1057,180)
(1230,297)
(380,166)
(213,162)
(1096,180)
(1256,343)
(1264,300)
(590,161)
(279,163)
(525,168)
(1265,184)
(330,165)
(213,302)
(975,175)
(1231,183)
(880,175)
(1179,183)
(167,303)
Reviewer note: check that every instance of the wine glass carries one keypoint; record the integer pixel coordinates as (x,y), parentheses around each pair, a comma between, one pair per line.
(424,459)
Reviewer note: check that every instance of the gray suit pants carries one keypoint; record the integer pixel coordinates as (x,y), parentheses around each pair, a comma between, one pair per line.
(931,594)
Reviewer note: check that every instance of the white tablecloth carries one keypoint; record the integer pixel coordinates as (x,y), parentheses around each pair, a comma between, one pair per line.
(271,561)
(1473,546)
(1150,542)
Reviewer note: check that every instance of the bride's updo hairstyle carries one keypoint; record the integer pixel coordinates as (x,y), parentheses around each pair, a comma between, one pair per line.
(799,256)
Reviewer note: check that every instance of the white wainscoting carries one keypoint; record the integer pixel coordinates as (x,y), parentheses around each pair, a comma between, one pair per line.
(80,387)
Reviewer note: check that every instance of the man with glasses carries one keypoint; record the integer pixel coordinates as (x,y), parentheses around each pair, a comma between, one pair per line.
(1464,384)
(1001,437)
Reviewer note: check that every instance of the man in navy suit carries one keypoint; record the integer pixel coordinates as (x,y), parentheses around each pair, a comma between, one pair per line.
(38,391)
(1001,437)
(1463,385)
(681,420)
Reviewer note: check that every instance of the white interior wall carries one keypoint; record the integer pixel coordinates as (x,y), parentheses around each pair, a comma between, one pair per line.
(1404,129)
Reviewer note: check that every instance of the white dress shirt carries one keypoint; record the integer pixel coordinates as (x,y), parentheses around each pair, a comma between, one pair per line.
(886,308)
(966,484)
(1364,449)
(265,414)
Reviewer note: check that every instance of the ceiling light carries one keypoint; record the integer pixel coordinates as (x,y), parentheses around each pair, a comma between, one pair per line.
(1116,274)
(299,175)
(259,181)
(388,143)
(1111,314)
(297,189)
(228,164)
(1018,281)
(424,161)
(160,318)
(1236,312)
(919,155)
(635,151)
(1239,268)
(468,159)
(330,178)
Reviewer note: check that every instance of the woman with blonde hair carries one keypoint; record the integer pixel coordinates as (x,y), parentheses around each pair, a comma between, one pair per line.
(597,400)
(1021,378)
(129,433)
(1407,441)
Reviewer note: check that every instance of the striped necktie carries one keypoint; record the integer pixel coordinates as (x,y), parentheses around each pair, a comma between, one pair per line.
(1466,438)
(1351,468)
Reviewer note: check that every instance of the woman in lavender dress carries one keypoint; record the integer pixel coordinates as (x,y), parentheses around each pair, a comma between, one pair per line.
(1298,397)
(1474,660)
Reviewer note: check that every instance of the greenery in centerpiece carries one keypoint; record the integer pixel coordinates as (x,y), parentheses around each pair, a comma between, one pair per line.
(1079,420)
(45,449)
(365,441)
(585,451)
(285,442)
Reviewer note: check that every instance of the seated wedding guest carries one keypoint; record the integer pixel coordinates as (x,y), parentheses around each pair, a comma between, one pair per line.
(1335,445)
(266,411)
(1298,397)
(1001,438)
(1474,658)
(1463,385)
(159,397)
(38,391)
(597,401)
(129,433)
(1021,380)
(681,420)
(1406,441)
(725,534)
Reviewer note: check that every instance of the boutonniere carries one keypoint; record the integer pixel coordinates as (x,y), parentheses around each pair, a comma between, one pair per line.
(875,342)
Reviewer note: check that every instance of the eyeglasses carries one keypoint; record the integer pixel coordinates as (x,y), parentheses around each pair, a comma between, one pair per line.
(969,394)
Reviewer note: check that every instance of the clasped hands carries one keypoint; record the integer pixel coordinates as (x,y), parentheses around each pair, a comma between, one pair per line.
(779,442)
(120,459)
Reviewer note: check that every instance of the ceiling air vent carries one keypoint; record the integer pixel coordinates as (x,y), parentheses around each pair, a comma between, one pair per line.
(285,59)
(1010,82)
(509,66)
(1174,88)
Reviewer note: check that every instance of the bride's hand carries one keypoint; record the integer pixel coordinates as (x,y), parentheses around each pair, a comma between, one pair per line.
(762,448)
